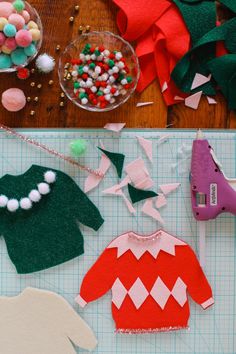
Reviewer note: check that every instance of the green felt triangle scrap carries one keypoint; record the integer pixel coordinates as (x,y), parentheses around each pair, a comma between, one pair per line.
(231,4)
(136,195)
(224,72)
(116,159)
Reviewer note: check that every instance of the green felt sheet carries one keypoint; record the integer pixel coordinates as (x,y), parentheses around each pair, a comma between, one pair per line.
(47,234)
(116,159)
(136,195)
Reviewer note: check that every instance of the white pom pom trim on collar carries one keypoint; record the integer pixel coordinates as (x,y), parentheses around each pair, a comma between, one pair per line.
(34,196)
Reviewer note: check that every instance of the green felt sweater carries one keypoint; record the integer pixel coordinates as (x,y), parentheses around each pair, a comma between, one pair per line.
(39,215)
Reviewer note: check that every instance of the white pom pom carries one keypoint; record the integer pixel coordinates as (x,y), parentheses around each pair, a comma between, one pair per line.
(12,205)
(35,196)
(25,203)
(50,177)
(3,201)
(45,63)
(43,188)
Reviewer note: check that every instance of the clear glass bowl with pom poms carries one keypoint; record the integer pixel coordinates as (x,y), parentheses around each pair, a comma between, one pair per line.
(70,63)
(34,16)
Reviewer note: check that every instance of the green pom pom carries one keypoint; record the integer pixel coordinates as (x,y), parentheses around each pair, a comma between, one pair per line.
(78,147)
(30,50)
(19,5)
(76,85)
(18,56)
(5,61)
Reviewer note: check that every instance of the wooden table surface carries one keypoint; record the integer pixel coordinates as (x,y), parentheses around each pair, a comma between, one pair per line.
(100,15)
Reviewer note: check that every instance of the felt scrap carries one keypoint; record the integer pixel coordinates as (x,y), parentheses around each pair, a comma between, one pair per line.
(200,80)
(230,4)
(143,104)
(116,190)
(193,100)
(136,195)
(211,100)
(115,127)
(39,321)
(178,98)
(146,145)
(138,174)
(163,139)
(164,87)
(149,210)
(161,201)
(92,181)
(116,159)
(47,234)
(169,188)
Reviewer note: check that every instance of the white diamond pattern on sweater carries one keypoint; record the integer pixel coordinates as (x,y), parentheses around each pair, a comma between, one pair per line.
(159,292)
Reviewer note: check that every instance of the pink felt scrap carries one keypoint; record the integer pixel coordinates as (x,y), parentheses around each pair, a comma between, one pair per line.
(143,104)
(178,98)
(146,145)
(149,210)
(116,190)
(193,100)
(114,127)
(164,87)
(200,80)
(169,188)
(163,139)
(211,100)
(92,181)
(161,201)
(138,174)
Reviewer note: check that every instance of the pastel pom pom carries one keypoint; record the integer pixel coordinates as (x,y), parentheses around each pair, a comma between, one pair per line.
(6,9)
(5,61)
(25,203)
(2,38)
(50,177)
(78,147)
(43,188)
(35,196)
(6,50)
(3,201)
(19,5)
(23,38)
(17,20)
(9,30)
(12,205)
(13,99)
(35,33)
(10,43)
(3,22)
(32,25)
(26,16)
(18,57)
(30,50)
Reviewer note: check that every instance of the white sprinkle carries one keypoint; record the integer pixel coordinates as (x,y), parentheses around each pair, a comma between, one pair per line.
(84,101)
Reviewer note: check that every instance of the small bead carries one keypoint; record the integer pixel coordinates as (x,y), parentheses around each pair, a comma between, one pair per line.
(32,84)
(66,66)
(32,113)
(32,71)
(62,95)
(39,86)
(51,82)
(62,104)
(77,7)
(87,29)
(81,29)
(36,99)
(58,47)
(28,99)
(71,19)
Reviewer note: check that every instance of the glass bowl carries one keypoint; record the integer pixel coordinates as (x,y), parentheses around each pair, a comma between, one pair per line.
(34,16)
(104,41)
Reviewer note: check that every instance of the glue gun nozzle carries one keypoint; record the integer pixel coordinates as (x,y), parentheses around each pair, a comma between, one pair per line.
(199,135)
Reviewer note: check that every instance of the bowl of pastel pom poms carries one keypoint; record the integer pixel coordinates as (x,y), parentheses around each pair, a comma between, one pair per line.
(99,71)
(20,34)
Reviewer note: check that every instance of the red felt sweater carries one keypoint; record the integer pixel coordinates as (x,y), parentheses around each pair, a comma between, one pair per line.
(149,278)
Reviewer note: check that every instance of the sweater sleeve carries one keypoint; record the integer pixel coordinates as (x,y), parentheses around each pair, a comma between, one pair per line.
(99,279)
(195,279)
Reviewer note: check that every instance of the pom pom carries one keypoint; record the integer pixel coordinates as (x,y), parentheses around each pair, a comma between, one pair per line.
(78,147)
(3,201)
(19,5)
(35,33)
(12,205)
(18,56)
(35,196)
(43,188)
(13,99)
(17,20)
(23,73)
(3,22)
(6,9)
(26,16)
(30,50)
(10,43)
(6,50)
(45,63)
(25,203)
(9,30)
(32,25)
(5,61)
(50,177)
(23,38)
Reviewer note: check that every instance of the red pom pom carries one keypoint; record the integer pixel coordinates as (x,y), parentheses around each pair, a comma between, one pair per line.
(23,73)
(113,90)
(85,76)
(101,48)
(112,56)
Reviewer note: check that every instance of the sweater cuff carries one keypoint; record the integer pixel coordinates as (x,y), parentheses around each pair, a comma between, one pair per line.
(80,301)
(207,303)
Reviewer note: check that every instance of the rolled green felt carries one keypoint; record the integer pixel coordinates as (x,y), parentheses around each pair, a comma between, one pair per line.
(47,233)
(116,159)
(136,195)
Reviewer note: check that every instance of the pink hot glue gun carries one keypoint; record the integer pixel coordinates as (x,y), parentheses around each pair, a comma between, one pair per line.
(212,193)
